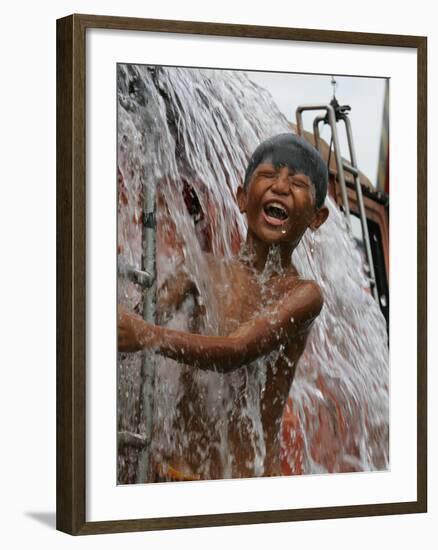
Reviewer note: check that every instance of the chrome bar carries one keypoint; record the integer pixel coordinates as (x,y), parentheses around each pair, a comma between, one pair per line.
(316,132)
(339,164)
(142,278)
(362,213)
(130,439)
(351,169)
(149,300)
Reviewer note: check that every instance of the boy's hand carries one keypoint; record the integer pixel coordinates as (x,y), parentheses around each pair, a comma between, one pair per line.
(129,328)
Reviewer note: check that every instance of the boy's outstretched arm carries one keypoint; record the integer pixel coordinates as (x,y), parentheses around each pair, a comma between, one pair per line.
(275,326)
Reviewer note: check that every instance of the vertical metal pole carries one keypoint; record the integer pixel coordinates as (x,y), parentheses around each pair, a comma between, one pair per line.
(299,115)
(339,165)
(149,301)
(331,119)
(363,218)
(316,132)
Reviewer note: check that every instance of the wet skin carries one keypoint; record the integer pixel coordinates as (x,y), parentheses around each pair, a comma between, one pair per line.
(255,319)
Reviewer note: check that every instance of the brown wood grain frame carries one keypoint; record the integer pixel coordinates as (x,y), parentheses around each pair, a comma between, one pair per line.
(71,272)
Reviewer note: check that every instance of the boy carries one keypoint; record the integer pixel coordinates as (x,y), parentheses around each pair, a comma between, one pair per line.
(262,308)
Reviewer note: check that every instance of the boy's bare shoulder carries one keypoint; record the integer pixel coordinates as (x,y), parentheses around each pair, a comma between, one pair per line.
(308,290)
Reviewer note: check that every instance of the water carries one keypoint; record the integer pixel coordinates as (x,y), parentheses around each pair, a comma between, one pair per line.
(190,132)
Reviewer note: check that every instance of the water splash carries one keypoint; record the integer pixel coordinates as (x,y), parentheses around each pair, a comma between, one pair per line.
(190,133)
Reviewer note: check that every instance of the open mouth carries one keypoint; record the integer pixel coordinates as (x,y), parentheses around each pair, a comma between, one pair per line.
(275,214)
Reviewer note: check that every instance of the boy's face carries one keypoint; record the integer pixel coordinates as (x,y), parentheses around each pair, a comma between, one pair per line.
(280,204)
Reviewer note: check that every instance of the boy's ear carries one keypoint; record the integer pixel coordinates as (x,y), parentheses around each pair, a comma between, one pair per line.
(320,217)
(241,199)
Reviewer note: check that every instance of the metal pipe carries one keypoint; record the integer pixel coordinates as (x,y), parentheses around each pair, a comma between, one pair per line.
(311,107)
(149,301)
(130,439)
(363,218)
(142,278)
(339,164)
(353,171)
(317,121)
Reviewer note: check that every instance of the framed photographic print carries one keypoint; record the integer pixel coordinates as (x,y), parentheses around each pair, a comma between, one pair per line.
(241,274)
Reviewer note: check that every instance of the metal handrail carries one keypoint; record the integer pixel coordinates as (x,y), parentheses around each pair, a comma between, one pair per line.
(331,117)
(147,392)
(333,113)
(131,439)
(146,278)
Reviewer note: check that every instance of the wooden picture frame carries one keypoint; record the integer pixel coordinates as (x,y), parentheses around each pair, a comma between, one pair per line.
(71,273)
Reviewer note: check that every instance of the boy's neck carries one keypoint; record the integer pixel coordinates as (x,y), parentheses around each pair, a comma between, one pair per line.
(257,253)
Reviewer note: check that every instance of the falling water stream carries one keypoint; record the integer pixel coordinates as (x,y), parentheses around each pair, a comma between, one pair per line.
(189,133)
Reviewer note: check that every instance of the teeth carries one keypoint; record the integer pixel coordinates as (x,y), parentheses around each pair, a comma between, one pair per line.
(277,206)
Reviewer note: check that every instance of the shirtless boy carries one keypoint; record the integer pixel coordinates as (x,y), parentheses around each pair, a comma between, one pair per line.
(282,196)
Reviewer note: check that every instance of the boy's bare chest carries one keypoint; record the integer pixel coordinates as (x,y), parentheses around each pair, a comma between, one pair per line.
(240,296)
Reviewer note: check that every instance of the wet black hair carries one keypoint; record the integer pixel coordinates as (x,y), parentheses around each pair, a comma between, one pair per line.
(296,153)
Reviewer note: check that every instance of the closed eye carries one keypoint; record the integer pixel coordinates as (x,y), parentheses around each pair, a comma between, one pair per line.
(300,183)
(267,174)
